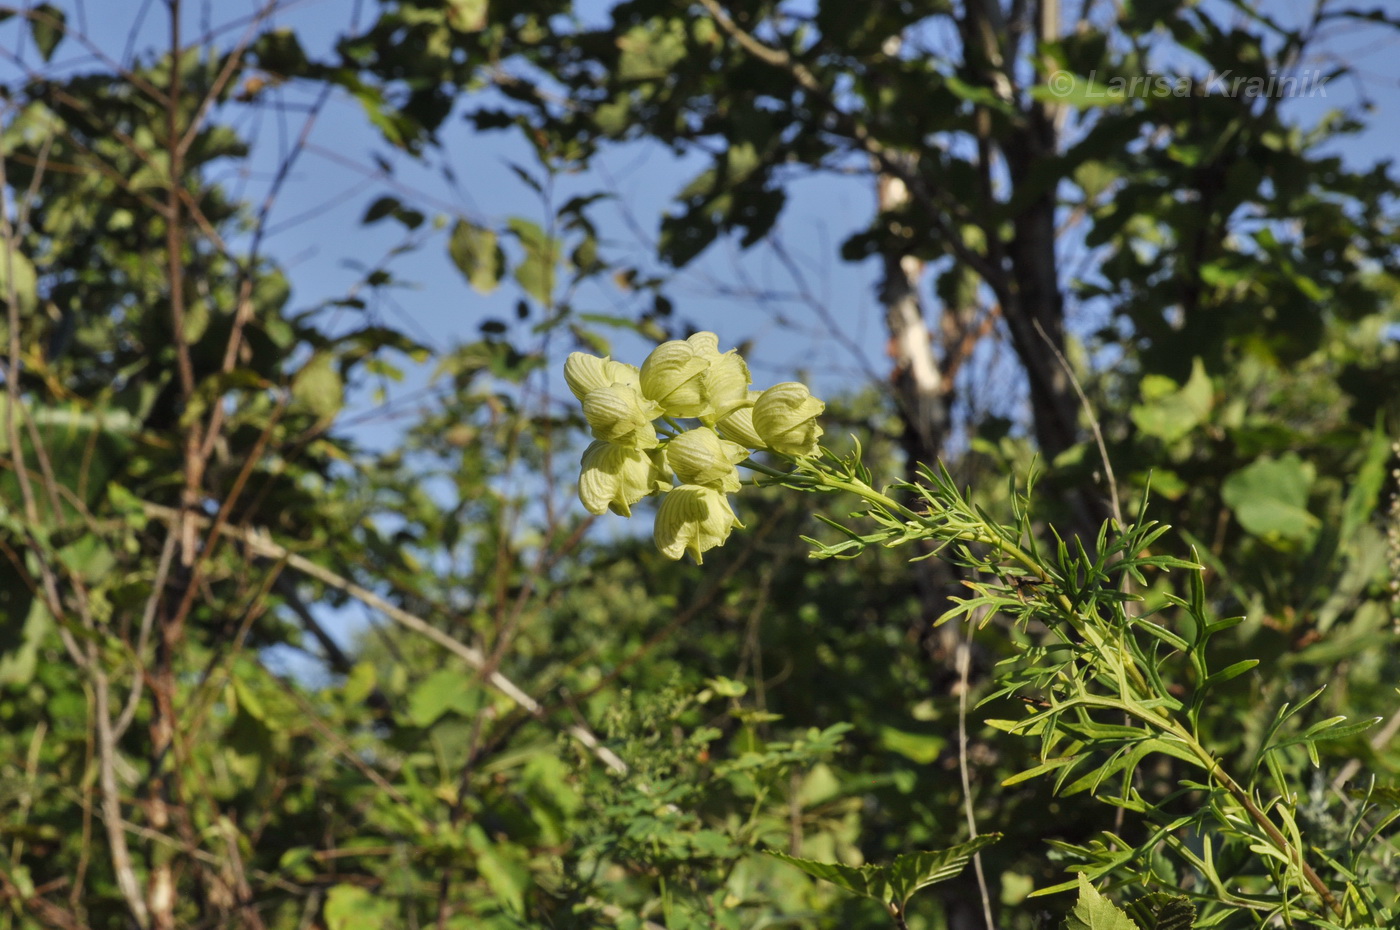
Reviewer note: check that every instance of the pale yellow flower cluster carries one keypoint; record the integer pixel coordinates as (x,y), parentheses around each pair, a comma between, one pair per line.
(685,379)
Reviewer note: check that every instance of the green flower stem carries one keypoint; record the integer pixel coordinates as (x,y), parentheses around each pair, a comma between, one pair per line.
(1131,678)
(1275,835)
(1007,548)
(1170,727)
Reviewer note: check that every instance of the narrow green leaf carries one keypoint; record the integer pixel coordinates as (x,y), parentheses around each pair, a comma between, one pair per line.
(1231,671)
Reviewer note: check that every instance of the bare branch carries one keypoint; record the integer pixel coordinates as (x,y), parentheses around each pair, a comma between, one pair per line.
(263,544)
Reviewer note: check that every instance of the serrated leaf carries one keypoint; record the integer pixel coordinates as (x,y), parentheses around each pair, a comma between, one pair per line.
(913,871)
(1163,911)
(864,881)
(1095,912)
(898,881)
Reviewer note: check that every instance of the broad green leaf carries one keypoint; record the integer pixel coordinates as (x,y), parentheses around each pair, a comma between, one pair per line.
(1168,412)
(350,907)
(359,684)
(85,446)
(477,254)
(1366,483)
(20,642)
(650,50)
(535,273)
(1270,496)
(48,24)
(1079,91)
(318,387)
(440,692)
(922,748)
(25,280)
(467,15)
(503,867)
(1095,912)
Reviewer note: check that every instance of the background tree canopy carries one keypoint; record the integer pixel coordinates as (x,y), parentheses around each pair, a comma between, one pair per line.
(260,667)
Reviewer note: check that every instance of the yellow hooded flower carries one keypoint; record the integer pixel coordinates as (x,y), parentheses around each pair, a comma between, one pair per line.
(700,457)
(673,375)
(785,417)
(586,373)
(615,477)
(693,519)
(620,414)
(727,383)
(737,424)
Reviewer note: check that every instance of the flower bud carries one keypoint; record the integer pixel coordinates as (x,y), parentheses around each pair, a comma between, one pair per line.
(738,424)
(673,375)
(784,416)
(615,477)
(700,457)
(693,519)
(586,373)
(621,415)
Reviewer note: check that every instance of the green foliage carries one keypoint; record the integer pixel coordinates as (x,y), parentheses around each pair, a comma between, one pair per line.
(894,884)
(541,724)
(1105,686)
(1095,912)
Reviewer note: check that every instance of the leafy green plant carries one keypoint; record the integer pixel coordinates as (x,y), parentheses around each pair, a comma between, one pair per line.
(895,884)
(1107,683)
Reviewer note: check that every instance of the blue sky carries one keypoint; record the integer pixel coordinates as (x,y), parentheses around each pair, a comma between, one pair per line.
(315,232)
(819,316)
